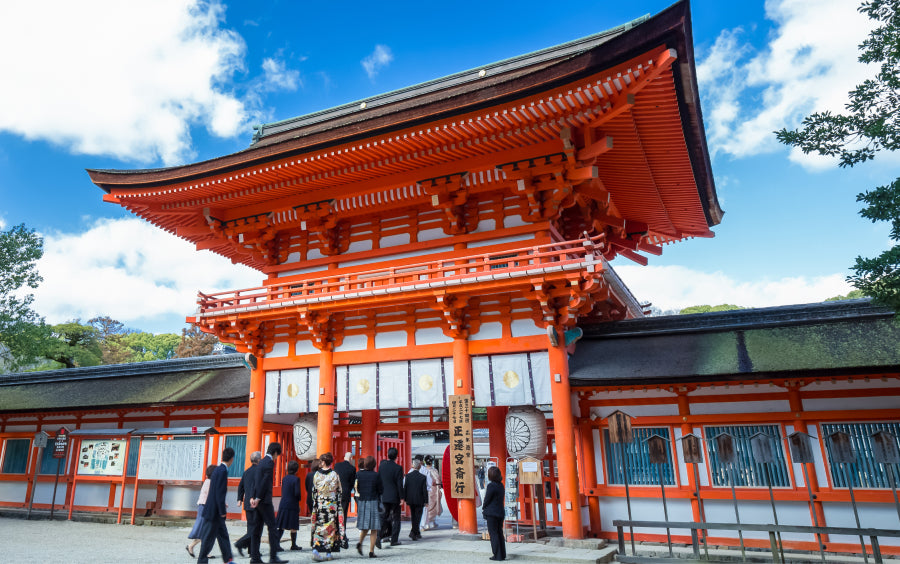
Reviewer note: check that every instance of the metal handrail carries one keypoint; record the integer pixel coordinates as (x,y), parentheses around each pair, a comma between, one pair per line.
(873,534)
(565,255)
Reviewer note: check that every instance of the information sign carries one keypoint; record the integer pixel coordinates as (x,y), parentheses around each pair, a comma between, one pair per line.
(172,460)
(101,457)
(461,447)
(61,444)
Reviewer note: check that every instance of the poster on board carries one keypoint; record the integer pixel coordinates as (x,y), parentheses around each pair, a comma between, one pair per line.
(172,460)
(101,457)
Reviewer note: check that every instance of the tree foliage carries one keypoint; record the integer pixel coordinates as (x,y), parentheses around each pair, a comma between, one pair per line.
(709,308)
(870,125)
(195,342)
(852,295)
(21,329)
(73,345)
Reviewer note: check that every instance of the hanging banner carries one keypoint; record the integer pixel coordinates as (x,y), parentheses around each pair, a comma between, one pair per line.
(101,458)
(462,479)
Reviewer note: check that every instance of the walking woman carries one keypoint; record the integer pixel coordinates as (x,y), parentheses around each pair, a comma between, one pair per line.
(434,509)
(326,510)
(493,512)
(289,507)
(194,535)
(368,518)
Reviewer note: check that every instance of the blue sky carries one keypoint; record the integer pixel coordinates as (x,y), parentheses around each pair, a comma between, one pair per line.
(111,84)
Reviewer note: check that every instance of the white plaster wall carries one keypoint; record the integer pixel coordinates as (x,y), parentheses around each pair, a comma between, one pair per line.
(874,515)
(832,404)
(644,509)
(19,428)
(279,350)
(599,463)
(234,422)
(354,343)
(431,234)
(92,494)
(500,240)
(145,494)
(305,347)
(431,336)
(360,246)
(391,339)
(394,240)
(525,328)
(385,258)
(294,258)
(488,331)
(722,511)
(314,254)
(43,492)
(513,221)
(13,491)
(182,498)
(762,406)
(636,411)
(485,225)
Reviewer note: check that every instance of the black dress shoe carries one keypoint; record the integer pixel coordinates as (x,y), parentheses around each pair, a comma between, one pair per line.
(273,559)
(256,561)
(396,543)
(239,549)
(378,544)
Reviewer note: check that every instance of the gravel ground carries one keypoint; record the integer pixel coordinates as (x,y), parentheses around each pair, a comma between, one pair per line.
(66,542)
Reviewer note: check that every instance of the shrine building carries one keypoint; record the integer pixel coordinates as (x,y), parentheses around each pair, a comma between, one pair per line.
(441,249)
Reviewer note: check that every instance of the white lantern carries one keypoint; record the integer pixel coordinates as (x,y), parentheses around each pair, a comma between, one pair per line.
(305,433)
(526,432)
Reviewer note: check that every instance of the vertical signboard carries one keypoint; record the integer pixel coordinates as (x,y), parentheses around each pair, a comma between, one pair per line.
(461,447)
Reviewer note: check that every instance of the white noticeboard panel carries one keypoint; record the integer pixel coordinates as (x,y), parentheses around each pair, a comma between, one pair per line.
(101,458)
(172,460)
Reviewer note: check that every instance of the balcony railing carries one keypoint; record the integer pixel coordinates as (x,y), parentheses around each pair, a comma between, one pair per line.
(552,258)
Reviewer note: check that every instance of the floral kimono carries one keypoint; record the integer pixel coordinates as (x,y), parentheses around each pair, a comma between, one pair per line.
(326,511)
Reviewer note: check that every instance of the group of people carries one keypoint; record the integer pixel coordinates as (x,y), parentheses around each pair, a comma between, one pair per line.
(329,487)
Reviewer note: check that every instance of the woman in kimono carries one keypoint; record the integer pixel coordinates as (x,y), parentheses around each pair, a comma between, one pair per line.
(326,511)
(434,508)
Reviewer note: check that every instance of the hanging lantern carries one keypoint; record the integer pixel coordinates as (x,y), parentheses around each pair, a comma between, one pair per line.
(526,432)
(305,432)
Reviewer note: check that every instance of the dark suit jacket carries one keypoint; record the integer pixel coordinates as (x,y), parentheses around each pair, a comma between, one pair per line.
(391,475)
(492,506)
(262,485)
(347,473)
(244,486)
(415,488)
(218,489)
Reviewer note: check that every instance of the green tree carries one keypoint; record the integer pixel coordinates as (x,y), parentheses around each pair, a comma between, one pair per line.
(871,124)
(853,295)
(147,346)
(73,345)
(111,338)
(22,330)
(708,308)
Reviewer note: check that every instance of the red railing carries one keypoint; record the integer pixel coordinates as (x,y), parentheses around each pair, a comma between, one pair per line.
(564,256)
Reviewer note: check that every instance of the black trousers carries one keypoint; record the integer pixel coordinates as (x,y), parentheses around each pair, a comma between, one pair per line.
(416,517)
(345,507)
(498,544)
(390,521)
(244,542)
(214,530)
(265,515)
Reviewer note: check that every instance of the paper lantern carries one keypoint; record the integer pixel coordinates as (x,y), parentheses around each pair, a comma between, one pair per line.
(305,431)
(526,432)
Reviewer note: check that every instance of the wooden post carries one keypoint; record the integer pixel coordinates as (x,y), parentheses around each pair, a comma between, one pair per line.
(589,480)
(462,385)
(496,420)
(563,431)
(325,427)
(255,410)
(369,443)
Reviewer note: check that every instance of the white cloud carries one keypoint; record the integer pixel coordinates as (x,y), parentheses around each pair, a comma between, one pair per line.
(678,287)
(809,64)
(278,77)
(127,79)
(379,59)
(131,271)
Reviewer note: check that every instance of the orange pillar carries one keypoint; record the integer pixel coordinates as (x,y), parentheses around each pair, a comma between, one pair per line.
(325,426)
(796,405)
(255,410)
(406,437)
(496,420)
(369,446)
(462,384)
(564,432)
(684,410)
(590,476)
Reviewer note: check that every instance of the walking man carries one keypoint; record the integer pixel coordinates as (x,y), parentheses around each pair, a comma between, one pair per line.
(261,501)
(391,475)
(214,512)
(346,471)
(415,492)
(243,497)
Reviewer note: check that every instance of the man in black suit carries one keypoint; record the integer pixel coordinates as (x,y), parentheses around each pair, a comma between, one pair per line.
(415,492)
(391,475)
(214,512)
(243,497)
(347,473)
(261,501)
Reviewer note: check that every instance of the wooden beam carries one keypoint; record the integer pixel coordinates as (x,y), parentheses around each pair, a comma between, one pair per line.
(633,256)
(583,173)
(648,248)
(596,149)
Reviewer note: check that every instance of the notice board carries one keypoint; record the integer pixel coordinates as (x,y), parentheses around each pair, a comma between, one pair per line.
(462,479)
(102,457)
(172,460)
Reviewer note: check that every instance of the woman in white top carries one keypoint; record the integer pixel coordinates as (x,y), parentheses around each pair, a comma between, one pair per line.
(194,535)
